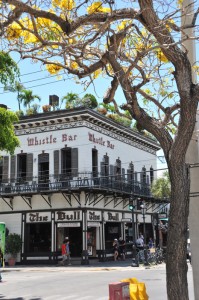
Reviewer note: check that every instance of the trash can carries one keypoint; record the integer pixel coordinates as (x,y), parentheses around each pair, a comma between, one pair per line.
(101,255)
(85,260)
(135,258)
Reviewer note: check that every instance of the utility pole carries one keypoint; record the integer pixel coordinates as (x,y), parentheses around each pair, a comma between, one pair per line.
(192,156)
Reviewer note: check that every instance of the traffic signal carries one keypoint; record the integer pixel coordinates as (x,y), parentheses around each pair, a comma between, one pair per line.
(131,207)
(139,203)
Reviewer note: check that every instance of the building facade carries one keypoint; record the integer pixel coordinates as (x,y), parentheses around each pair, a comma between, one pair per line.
(73,176)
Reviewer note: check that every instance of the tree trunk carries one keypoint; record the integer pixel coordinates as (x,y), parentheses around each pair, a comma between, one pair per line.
(176,267)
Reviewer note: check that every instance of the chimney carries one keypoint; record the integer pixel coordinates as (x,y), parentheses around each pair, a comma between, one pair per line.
(53,100)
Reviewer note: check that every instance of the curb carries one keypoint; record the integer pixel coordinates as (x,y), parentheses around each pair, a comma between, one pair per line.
(76,268)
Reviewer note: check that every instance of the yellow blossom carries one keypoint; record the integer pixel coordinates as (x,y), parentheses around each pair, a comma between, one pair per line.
(96,7)
(74,65)
(13,31)
(196,69)
(71,41)
(161,56)
(29,38)
(96,74)
(168,26)
(53,69)
(123,25)
(64,4)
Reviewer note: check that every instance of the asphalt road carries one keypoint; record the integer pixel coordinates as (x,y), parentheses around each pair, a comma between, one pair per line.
(80,283)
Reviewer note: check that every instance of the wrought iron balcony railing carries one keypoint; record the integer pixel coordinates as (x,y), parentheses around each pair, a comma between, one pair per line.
(65,182)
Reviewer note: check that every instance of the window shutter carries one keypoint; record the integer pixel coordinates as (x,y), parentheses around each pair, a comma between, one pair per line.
(12,168)
(111,170)
(29,167)
(123,173)
(5,168)
(151,174)
(106,163)
(56,163)
(136,176)
(74,164)
(102,168)
(129,175)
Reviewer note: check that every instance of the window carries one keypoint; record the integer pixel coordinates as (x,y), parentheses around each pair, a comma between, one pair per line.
(43,167)
(66,158)
(95,162)
(38,237)
(22,166)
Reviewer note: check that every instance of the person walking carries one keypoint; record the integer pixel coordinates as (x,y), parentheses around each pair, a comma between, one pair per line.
(150,243)
(68,252)
(122,250)
(115,249)
(63,250)
(140,242)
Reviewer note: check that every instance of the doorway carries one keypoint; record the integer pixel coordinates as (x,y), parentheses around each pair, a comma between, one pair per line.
(74,234)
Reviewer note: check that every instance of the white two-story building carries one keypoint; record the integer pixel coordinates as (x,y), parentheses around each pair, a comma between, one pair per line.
(73,176)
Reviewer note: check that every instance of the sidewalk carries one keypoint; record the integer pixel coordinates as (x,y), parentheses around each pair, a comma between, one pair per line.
(93,265)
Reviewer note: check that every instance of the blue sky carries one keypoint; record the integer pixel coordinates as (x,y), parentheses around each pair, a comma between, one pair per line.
(42,84)
(37,79)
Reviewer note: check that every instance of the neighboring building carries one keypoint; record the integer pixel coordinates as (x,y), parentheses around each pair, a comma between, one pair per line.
(73,177)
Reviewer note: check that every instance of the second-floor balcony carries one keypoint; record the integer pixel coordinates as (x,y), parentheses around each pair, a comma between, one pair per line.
(67,182)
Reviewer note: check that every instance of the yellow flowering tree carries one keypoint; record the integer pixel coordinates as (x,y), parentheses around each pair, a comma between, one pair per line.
(139,46)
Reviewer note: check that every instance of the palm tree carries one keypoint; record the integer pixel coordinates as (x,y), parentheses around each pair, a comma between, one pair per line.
(71,100)
(27,97)
(18,87)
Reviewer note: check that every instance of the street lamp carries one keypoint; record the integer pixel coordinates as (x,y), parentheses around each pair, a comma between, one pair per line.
(135,260)
(132,208)
(143,209)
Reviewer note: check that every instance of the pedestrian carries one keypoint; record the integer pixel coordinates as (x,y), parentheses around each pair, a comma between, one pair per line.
(1,262)
(115,249)
(63,250)
(122,250)
(150,243)
(68,252)
(140,243)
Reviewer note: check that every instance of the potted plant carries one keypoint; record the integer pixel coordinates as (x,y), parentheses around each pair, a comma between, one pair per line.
(13,247)
(46,108)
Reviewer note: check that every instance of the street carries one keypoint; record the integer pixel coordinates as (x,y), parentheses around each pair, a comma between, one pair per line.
(79,283)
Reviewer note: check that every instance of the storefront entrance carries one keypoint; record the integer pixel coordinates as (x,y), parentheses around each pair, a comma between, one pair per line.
(74,234)
(91,241)
(112,231)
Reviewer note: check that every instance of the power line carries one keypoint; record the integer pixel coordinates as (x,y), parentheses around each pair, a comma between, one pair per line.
(43,78)
(38,85)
